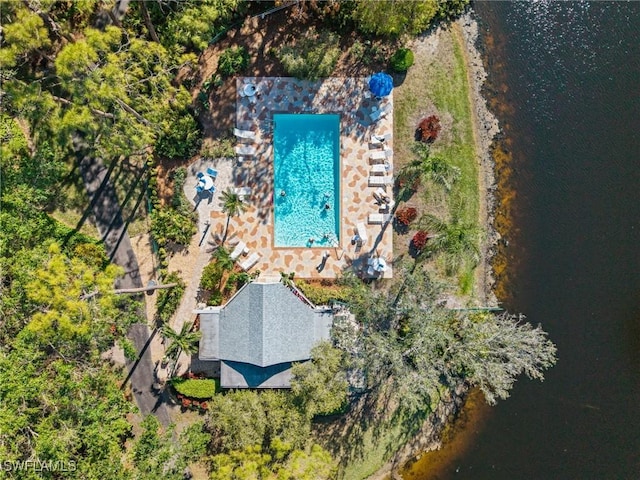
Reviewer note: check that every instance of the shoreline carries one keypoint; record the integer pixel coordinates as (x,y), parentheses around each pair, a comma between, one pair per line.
(485,128)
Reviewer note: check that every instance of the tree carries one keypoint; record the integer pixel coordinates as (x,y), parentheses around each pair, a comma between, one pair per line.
(320,385)
(233,206)
(455,241)
(393,18)
(432,167)
(313,463)
(64,320)
(183,341)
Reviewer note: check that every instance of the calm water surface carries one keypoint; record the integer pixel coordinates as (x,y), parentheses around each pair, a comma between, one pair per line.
(567,76)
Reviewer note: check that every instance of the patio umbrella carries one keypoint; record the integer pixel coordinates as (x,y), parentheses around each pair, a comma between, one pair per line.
(381,84)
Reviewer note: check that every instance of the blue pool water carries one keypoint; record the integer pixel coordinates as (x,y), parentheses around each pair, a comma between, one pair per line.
(306,168)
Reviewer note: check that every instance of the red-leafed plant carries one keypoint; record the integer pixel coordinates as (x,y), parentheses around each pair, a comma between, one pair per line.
(429,128)
(406,215)
(419,240)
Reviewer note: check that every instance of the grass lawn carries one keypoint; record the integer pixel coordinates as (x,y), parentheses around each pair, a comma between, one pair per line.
(437,84)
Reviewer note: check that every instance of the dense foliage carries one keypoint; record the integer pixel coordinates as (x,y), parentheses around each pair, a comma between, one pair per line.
(311,57)
(233,60)
(201,388)
(169,299)
(402,60)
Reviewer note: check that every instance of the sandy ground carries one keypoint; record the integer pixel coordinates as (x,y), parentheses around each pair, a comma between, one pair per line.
(465,31)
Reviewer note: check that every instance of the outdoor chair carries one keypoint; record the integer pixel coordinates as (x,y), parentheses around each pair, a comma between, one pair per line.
(378,140)
(380,181)
(245,134)
(362,233)
(199,174)
(375,218)
(212,172)
(212,189)
(241,249)
(242,192)
(199,188)
(250,262)
(245,150)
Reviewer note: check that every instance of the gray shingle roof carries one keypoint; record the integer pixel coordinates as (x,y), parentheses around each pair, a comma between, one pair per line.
(266,324)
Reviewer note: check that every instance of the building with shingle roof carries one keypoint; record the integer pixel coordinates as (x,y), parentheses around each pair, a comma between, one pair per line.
(259,332)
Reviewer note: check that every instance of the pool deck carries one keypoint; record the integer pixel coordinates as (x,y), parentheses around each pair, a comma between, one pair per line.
(345,96)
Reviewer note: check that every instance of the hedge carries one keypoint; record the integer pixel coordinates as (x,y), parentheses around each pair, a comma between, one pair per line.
(199,388)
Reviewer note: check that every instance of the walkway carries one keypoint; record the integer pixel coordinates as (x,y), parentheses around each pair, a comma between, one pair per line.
(109,222)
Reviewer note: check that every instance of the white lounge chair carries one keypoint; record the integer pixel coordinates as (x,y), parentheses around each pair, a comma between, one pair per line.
(242,192)
(380,168)
(380,181)
(380,217)
(246,134)
(378,140)
(241,249)
(380,155)
(250,261)
(382,193)
(362,233)
(245,150)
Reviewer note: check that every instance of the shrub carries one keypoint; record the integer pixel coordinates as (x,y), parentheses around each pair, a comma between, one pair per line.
(169,225)
(324,295)
(419,240)
(428,129)
(406,215)
(233,60)
(169,298)
(199,388)
(310,57)
(181,140)
(402,60)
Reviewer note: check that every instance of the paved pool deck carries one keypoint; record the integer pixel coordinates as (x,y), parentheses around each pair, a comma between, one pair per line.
(349,97)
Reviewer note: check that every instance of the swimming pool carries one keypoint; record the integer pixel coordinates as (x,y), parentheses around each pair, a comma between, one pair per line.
(306,165)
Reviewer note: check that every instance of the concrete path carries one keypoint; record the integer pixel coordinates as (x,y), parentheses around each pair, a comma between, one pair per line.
(109,222)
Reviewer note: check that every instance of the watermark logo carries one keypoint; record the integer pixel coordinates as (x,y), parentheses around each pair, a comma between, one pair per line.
(38,465)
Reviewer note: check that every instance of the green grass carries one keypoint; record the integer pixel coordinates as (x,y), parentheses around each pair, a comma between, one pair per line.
(442,84)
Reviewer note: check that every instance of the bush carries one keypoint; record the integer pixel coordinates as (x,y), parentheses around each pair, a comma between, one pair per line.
(181,140)
(402,60)
(233,60)
(311,57)
(324,295)
(169,225)
(211,276)
(428,129)
(419,240)
(200,388)
(406,215)
(169,298)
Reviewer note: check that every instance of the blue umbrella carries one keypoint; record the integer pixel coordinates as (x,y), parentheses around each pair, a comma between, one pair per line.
(381,84)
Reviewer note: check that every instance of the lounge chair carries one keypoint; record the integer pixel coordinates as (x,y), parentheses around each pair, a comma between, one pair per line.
(362,233)
(242,191)
(382,193)
(380,168)
(241,249)
(381,113)
(212,172)
(245,150)
(246,134)
(380,181)
(250,262)
(378,140)
(378,156)
(380,218)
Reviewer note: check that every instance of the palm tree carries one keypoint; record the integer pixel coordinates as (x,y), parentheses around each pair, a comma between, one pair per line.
(455,241)
(232,205)
(183,341)
(434,167)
